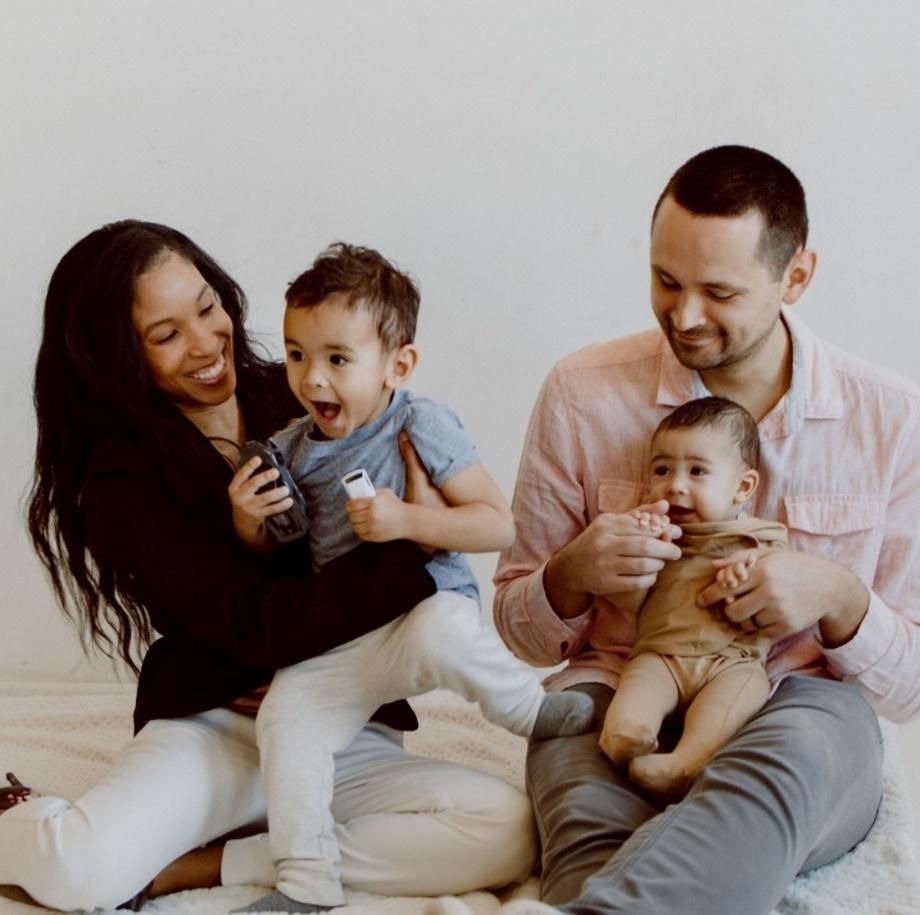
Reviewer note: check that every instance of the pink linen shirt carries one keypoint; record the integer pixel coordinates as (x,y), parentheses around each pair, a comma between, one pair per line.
(840,467)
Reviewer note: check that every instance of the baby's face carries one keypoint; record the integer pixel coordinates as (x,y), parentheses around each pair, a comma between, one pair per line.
(337,366)
(700,472)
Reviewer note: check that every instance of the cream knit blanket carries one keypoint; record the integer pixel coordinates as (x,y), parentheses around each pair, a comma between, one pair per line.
(61,736)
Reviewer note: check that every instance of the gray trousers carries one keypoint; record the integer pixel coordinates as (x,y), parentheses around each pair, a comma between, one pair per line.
(796,788)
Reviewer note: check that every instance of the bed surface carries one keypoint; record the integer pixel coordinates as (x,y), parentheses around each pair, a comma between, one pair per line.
(61,736)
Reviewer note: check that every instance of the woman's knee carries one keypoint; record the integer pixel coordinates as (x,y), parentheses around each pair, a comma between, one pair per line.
(507,845)
(67,865)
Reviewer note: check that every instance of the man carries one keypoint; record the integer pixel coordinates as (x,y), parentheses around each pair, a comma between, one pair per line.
(800,784)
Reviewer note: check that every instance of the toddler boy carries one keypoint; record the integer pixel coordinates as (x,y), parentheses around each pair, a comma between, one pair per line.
(349,328)
(703,461)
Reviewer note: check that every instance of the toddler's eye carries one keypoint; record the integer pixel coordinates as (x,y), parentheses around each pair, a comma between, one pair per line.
(338,360)
(294,355)
(698,471)
(660,471)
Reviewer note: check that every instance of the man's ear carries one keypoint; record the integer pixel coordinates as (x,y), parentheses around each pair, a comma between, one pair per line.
(402,365)
(747,486)
(798,275)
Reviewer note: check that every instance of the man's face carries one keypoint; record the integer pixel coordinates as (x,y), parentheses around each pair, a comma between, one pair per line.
(716,301)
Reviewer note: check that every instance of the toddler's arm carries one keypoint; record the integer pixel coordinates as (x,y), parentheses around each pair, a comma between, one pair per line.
(476,519)
(251,507)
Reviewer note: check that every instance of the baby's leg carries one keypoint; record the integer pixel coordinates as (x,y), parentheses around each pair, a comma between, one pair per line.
(442,642)
(719,710)
(646,694)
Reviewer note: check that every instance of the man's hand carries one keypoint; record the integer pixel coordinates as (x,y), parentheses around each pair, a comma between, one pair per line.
(788,591)
(614,554)
(380,518)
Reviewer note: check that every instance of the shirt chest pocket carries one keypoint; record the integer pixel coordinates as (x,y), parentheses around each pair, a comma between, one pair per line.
(618,496)
(848,529)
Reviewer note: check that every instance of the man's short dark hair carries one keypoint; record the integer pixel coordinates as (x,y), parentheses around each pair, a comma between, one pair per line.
(363,278)
(718,412)
(732,181)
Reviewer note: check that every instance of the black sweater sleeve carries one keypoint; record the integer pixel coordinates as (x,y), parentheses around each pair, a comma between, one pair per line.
(184,563)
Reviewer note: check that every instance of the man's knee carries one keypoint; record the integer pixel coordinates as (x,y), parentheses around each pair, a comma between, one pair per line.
(808,710)
(812,739)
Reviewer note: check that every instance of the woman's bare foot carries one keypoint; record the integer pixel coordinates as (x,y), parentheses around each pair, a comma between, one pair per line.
(14,795)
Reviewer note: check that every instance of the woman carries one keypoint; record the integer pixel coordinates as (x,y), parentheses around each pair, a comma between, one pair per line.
(146,386)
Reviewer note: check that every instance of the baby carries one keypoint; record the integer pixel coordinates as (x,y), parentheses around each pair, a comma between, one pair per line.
(703,461)
(349,328)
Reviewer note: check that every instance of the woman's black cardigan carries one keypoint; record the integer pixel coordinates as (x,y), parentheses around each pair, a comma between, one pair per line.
(228,618)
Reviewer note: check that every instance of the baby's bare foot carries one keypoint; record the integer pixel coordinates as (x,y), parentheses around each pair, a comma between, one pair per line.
(661,776)
(621,748)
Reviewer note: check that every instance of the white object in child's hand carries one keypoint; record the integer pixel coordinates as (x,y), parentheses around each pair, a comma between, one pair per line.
(358,484)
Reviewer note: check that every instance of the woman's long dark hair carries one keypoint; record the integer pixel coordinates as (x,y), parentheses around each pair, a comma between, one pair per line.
(91,382)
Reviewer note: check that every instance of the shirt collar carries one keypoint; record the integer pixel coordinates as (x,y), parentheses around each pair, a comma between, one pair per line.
(814,392)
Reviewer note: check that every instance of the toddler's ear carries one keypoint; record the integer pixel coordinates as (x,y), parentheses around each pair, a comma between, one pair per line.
(747,486)
(402,364)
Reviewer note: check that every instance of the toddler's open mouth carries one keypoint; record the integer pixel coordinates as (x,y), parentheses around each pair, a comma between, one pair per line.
(328,411)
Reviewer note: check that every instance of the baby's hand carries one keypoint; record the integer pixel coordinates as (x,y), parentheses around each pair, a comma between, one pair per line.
(654,525)
(251,507)
(734,570)
(380,518)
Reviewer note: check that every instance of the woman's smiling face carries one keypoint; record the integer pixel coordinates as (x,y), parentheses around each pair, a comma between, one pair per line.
(186,336)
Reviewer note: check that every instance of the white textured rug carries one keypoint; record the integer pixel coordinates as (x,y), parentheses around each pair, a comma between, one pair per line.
(62,736)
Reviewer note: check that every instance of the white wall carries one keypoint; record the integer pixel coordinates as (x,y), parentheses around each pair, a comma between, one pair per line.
(508,154)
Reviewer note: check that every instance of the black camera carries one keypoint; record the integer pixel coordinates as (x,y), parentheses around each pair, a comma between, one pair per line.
(291,524)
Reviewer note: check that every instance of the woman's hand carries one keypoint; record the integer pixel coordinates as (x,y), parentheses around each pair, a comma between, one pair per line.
(251,505)
(419,488)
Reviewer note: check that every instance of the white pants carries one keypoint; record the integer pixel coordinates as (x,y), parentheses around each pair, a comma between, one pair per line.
(405,825)
(314,709)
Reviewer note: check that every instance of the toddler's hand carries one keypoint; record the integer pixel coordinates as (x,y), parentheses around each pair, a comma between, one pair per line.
(251,507)
(734,570)
(378,519)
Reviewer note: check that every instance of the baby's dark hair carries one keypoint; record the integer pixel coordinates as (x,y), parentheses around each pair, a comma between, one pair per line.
(718,412)
(362,277)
